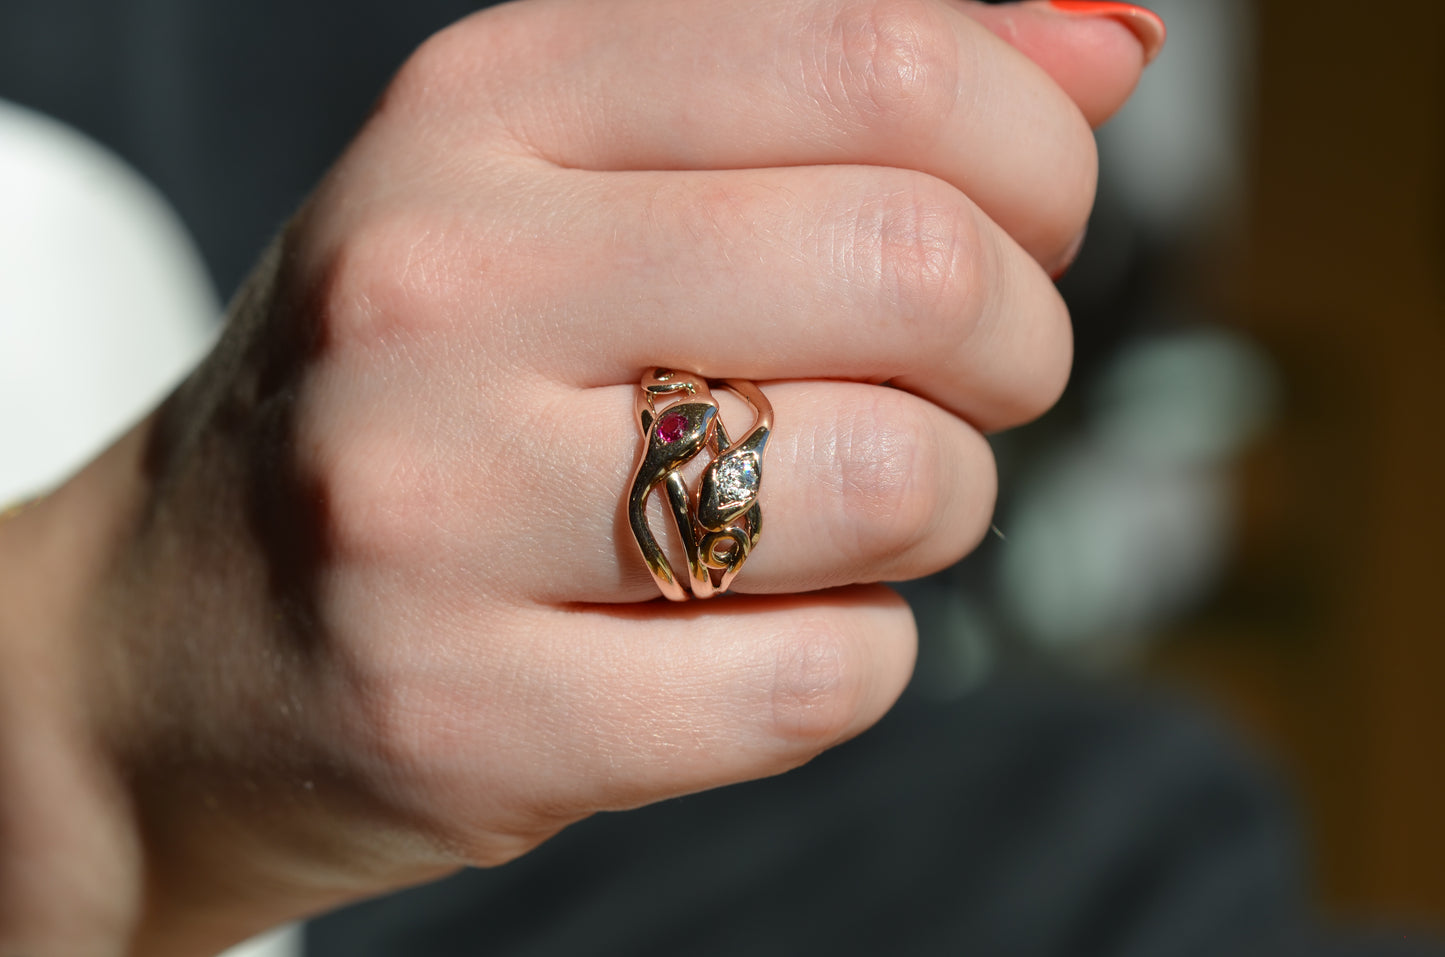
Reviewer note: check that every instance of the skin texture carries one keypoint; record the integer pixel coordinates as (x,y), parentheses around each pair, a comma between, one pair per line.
(358,604)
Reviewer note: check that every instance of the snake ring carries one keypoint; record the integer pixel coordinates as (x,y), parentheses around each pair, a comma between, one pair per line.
(719,520)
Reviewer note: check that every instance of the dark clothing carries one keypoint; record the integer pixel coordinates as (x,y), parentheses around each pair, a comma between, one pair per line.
(1027,819)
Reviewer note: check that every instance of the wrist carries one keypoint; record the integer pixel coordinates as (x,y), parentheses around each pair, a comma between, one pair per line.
(171,752)
(130,822)
(70,874)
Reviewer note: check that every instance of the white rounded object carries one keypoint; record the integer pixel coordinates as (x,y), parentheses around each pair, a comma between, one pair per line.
(104,300)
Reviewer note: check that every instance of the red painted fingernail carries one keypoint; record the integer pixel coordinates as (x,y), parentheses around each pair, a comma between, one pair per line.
(1146,24)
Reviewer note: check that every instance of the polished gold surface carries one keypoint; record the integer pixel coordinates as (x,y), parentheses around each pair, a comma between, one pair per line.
(719,522)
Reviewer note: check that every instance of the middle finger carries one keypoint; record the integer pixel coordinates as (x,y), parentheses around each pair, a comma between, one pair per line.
(826,272)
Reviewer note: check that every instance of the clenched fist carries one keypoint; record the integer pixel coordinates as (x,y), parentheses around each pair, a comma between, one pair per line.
(360,604)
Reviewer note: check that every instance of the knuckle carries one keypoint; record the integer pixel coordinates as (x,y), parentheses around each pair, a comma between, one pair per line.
(449,66)
(406,722)
(461,86)
(925,244)
(453,84)
(431,75)
(819,685)
(384,281)
(381,503)
(884,479)
(889,63)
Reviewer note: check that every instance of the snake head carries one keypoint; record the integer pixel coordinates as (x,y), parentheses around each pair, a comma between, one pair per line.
(675,435)
(729,488)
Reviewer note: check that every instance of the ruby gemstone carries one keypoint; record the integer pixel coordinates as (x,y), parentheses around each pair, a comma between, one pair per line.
(671,427)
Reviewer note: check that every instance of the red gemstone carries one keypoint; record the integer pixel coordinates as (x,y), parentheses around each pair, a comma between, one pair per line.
(671,427)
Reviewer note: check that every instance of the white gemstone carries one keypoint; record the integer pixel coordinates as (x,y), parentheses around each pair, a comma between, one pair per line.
(737,478)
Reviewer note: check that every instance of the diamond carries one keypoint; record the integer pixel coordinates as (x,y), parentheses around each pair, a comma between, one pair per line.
(737,478)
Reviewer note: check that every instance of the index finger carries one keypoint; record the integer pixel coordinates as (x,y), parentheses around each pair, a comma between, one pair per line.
(677,84)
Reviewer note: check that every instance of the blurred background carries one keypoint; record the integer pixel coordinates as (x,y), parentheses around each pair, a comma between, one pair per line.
(1321,632)
(1238,499)
(1240,496)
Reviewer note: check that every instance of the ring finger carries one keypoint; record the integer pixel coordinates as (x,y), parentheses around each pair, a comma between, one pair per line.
(861,483)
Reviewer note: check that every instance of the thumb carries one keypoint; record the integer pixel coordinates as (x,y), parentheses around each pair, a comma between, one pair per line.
(1095,51)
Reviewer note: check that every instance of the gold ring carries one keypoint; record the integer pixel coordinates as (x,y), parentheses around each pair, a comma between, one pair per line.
(719,521)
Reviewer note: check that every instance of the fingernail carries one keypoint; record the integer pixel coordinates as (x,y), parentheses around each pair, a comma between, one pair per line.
(1146,24)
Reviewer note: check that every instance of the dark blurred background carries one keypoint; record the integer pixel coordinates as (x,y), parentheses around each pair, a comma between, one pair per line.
(1326,636)
(1322,635)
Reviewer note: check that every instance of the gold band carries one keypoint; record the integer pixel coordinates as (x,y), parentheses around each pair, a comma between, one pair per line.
(719,521)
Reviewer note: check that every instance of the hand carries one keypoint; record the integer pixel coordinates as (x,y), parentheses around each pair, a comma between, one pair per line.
(365,606)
